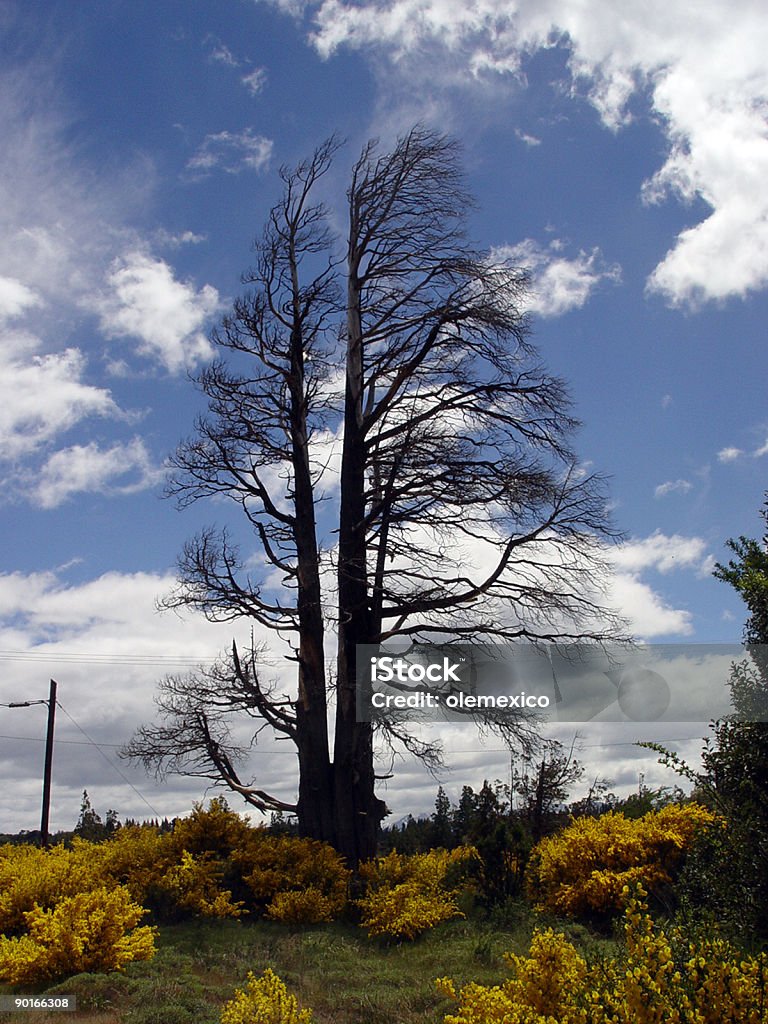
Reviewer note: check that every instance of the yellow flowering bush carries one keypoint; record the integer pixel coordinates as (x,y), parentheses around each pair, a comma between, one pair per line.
(265,1000)
(92,931)
(136,856)
(305,906)
(546,988)
(275,865)
(30,876)
(660,977)
(193,884)
(586,867)
(214,830)
(213,864)
(407,895)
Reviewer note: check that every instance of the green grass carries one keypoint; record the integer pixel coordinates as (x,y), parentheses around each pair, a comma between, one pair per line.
(344,977)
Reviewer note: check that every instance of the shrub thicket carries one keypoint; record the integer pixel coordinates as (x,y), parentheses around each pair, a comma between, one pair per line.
(584,868)
(659,976)
(92,931)
(405,896)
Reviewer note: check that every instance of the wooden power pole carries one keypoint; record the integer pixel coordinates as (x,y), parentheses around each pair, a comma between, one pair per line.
(51,702)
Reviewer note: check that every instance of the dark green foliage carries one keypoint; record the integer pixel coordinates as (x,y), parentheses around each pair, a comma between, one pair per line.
(501,824)
(89,824)
(727,872)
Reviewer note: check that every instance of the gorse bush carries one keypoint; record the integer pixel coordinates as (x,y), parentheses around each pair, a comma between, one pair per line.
(408,895)
(194,884)
(658,977)
(265,1000)
(213,864)
(92,931)
(307,906)
(272,867)
(584,868)
(32,877)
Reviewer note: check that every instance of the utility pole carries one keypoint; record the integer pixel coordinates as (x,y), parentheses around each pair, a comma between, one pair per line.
(48,766)
(51,702)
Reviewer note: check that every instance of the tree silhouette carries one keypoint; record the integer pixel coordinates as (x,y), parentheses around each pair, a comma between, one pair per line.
(403,460)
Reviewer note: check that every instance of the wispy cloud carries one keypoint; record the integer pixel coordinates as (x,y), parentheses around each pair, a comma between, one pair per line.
(729,454)
(528,140)
(558,284)
(231,152)
(255,80)
(673,487)
(221,54)
(119,469)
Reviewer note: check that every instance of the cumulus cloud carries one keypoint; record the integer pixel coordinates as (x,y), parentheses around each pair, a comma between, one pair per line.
(558,284)
(106,644)
(231,152)
(636,598)
(647,611)
(729,454)
(661,552)
(672,487)
(119,469)
(15,298)
(146,302)
(704,73)
(42,395)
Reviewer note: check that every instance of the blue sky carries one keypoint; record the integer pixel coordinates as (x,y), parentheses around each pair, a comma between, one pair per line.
(619,153)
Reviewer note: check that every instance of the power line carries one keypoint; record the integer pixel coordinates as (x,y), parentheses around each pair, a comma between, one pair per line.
(39,739)
(122,775)
(101,659)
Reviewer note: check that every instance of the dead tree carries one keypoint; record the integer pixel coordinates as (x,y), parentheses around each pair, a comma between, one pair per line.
(460,514)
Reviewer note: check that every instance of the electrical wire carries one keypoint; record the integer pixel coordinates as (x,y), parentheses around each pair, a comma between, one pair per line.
(73,658)
(122,775)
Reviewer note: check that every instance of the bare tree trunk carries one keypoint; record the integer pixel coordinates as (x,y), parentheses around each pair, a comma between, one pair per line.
(358,810)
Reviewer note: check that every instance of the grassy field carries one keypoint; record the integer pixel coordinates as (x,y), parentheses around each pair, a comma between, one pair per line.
(344,977)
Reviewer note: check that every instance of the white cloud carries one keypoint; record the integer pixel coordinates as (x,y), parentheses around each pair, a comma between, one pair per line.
(672,487)
(528,140)
(59,216)
(221,54)
(15,298)
(42,395)
(107,646)
(166,316)
(120,469)
(703,69)
(762,450)
(231,152)
(558,284)
(729,454)
(646,610)
(176,241)
(255,81)
(661,552)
